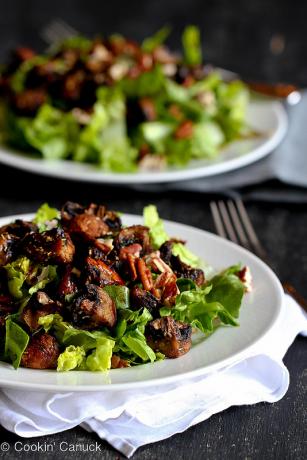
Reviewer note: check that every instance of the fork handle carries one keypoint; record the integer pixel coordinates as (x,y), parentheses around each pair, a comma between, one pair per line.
(289,289)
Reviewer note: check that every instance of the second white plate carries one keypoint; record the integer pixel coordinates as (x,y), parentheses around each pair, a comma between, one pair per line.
(267,118)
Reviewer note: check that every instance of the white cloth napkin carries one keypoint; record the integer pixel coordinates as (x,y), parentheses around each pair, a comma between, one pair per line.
(128,420)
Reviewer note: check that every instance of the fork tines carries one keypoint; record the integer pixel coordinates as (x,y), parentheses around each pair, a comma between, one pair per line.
(232,222)
(57,30)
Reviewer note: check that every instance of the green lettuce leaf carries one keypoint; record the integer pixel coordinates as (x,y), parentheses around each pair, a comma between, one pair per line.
(44,214)
(16,341)
(100,358)
(209,306)
(151,43)
(192,46)
(119,294)
(130,338)
(78,343)
(104,139)
(228,290)
(159,236)
(185,255)
(19,77)
(26,277)
(52,132)
(135,343)
(71,358)
(156,226)
(148,83)
(232,99)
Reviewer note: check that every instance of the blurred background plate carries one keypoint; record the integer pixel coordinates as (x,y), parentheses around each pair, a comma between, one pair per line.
(266,117)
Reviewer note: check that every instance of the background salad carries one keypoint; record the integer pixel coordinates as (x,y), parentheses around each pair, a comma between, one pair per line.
(120,105)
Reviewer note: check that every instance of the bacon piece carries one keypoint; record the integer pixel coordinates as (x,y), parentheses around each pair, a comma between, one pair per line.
(185,130)
(98,272)
(133,249)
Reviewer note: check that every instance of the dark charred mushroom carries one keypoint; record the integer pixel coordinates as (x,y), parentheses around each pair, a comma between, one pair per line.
(52,246)
(139,298)
(87,226)
(166,251)
(41,353)
(19,228)
(8,247)
(93,308)
(170,337)
(7,307)
(131,235)
(183,270)
(70,210)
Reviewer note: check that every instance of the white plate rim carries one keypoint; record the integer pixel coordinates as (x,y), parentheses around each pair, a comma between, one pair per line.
(247,351)
(40,166)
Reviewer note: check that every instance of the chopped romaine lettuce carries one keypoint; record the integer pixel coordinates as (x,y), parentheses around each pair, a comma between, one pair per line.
(135,343)
(192,46)
(119,294)
(151,43)
(25,277)
(185,255)
(156,226)
(16,341)
(45,214)
(219,300)
(104,139)
(71,358)
(227,289)
(149,83)
(100,358)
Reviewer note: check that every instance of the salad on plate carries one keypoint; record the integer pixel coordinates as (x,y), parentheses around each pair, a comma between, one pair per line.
(120,105)
(81,291)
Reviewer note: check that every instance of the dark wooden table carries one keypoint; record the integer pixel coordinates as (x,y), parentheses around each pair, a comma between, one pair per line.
(262,431)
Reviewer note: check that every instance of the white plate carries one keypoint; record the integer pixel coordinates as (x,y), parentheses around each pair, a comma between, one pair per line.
(267,118)
(259,313)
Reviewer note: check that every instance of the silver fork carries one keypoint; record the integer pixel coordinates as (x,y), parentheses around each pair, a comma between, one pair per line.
(56,31)
(232,222)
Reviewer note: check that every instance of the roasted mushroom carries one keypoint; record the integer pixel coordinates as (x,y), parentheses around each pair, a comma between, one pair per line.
(170,337)
(139,298)
(8,247)
(93,308)
(41,353)
(52,246)
(131,235)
